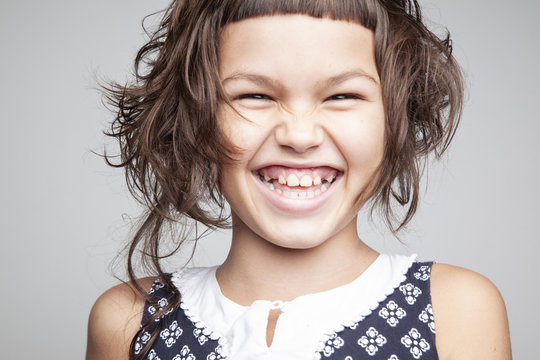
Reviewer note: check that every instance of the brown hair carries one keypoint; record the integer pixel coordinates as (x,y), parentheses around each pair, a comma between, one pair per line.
(171,147)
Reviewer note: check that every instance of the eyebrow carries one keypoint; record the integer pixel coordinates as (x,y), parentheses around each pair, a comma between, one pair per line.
(254,78)
(331,81)
(335,80)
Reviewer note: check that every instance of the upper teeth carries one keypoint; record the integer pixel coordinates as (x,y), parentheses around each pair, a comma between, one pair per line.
(289,183)
(306,180)
(292,180)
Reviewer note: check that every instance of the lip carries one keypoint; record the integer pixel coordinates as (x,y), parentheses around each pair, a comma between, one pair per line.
(296,205)
(295,165)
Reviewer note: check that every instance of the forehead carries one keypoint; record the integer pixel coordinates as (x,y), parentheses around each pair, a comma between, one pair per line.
(290,45)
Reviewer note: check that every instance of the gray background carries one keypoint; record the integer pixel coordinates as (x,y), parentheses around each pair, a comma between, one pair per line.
(64,214)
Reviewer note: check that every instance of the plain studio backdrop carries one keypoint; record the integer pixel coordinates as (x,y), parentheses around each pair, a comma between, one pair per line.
(65,214)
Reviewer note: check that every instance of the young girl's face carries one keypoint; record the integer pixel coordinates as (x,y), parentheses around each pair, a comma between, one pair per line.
(311,130)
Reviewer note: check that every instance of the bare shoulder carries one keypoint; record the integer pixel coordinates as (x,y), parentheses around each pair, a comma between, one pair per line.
(114,321)
(470,315)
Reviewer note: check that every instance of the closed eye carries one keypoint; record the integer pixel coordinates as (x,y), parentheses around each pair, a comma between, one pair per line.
(253,96)
(338,97)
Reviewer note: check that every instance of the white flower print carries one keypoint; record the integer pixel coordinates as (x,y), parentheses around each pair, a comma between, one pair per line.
(141,340)
(171,334)
(392,313)
(202,335)
(185,354)
(216,355)
(334,342)
(411,292)
(415,343)
(348,358)
(156,286)
(426,316)
(423,273)
(372,342)
(137,348)
(145,337)
(162,303)
(393,357)
(152,355)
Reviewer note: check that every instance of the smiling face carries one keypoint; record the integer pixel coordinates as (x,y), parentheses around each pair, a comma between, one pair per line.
(310,122)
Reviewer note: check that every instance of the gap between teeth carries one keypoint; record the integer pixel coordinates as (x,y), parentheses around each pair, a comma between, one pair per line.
(306,181)
(293,181)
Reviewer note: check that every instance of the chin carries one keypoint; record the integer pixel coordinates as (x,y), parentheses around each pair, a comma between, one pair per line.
(296,241)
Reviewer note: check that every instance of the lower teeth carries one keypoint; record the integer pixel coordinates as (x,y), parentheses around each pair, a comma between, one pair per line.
(297,194)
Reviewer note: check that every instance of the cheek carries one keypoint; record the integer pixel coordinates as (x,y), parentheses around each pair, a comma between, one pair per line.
(242,133)
(245,137)
(362,140)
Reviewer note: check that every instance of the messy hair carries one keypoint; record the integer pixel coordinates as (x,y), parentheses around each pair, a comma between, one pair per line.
(172,148)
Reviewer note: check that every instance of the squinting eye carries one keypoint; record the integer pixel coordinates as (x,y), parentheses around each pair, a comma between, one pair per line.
(345,97)
(253,96)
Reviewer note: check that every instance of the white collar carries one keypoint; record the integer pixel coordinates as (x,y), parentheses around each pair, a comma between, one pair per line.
(305,323)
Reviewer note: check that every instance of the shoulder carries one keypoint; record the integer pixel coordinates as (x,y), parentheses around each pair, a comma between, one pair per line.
(114,320)
(470,315)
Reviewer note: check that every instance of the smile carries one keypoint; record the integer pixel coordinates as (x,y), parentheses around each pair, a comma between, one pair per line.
(298,184)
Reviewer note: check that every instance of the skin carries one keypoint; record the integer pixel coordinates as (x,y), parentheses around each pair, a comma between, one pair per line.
(326,113)
(114,320)
(300,116)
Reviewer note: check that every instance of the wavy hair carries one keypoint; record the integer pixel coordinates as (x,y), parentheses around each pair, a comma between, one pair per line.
(172,148)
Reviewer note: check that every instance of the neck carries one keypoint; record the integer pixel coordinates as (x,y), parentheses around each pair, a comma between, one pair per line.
(256,269)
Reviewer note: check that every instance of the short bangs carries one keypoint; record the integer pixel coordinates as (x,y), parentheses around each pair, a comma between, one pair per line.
(364,12)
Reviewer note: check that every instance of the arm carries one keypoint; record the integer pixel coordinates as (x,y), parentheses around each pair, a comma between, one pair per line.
(114,320)
(470,316)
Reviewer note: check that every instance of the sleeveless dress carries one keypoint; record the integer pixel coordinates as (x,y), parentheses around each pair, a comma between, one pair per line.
(384,314)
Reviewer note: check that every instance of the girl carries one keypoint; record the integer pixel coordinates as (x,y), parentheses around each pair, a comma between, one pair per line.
(297,114)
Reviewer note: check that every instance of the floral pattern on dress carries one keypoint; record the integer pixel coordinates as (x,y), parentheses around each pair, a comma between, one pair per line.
(400,327)
(216,354)
(372,341)
(423,273)
(141,341)
(411,292)
(426,316)
(185,354)
(171,334)
(392,313)
(202,335)
(333,343)
(161,303)
(414,341)
(158,284)
(152,355)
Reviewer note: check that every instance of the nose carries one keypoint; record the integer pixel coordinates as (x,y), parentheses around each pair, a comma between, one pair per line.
(299,133)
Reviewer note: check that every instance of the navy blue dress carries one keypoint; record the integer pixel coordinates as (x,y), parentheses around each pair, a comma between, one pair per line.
(400,328)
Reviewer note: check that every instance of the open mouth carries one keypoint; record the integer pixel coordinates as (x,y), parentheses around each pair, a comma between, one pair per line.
(292,183)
